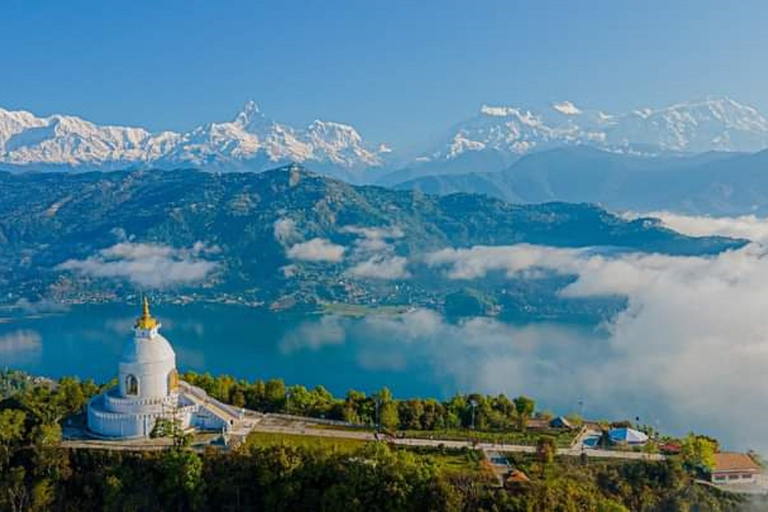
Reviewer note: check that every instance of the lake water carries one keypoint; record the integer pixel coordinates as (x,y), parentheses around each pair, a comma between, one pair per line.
(300,348)
(566,368)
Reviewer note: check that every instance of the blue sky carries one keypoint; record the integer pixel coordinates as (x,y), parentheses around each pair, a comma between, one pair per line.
(400,71)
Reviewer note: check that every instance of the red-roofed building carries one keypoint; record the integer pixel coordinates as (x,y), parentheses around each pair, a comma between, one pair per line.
(734,468)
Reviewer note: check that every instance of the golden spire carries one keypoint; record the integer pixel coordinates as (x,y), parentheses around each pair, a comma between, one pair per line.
(146,321)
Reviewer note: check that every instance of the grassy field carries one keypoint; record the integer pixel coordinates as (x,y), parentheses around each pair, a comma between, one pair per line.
(529,437)
(450,460)
(359,310)
(339,444)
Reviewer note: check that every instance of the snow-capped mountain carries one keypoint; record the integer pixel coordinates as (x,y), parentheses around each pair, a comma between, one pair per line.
(488,141)
(65,141)
(250,141)
(714,124)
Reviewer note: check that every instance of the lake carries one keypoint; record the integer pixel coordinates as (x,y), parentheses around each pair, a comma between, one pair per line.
(566,368)
(248,343)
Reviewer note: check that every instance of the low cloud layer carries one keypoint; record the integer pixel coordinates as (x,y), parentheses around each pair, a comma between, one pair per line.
(750,227)
(692,338)
(370,255)
(327,331)
(317,250)
(381,267)
(373,254)
(478,261)
(689,352)
(40,307)
(147,265)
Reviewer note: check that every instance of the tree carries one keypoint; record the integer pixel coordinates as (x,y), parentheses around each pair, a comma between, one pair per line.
(255,395)
(70,396)
(11,433)
(388,416)
(410,412)
(43,494)
(223,387)
(182,478)
(238,398)
(13,490)
(390,419)
(524,407)
(50,461)
(698,451)
(545,449)
(274,391)
(163,428)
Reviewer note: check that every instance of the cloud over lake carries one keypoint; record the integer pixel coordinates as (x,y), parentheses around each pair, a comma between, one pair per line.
(689,352)
(20,346)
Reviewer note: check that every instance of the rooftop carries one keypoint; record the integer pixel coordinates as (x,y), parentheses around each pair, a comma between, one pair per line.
(730,461)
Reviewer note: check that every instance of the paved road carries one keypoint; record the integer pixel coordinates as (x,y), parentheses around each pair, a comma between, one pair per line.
(303,428)
(297,425)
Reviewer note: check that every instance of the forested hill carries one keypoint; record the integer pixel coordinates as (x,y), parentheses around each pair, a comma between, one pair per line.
(251,225)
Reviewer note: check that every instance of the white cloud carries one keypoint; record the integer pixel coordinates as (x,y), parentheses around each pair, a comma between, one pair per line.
(567,108)
(327,331)
(147,265)
(381,267)
(317,250)
(373,256)
(373,240)
(678,359)
(689,352)
(42,306)
(750,227)
(18,346)
(366,246)
(384,233)
(285,230)
(693,338)
(478,261)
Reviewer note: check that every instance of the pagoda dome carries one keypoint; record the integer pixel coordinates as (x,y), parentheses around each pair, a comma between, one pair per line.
(147,350)
(148,389)
(147,368)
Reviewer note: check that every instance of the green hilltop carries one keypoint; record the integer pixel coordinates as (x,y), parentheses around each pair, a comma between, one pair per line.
(48,219)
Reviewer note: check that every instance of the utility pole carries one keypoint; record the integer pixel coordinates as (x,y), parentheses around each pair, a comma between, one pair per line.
(473,403)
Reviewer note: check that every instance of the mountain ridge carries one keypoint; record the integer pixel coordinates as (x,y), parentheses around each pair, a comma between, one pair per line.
(282,235)
(251,141)
(710,183)
(693,127)
(493,139)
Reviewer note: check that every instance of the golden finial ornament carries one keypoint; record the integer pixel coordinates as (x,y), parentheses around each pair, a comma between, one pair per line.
(146,321)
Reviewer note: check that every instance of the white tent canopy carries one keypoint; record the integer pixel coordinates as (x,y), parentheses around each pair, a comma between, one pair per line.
(627,435)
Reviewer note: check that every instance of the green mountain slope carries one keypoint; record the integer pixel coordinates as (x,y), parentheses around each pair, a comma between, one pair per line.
(49,219)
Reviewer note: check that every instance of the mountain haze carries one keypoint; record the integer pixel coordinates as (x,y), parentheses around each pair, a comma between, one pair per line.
(711,183)
(714,124)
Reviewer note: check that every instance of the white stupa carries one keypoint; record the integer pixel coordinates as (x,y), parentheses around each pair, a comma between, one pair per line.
(149,388)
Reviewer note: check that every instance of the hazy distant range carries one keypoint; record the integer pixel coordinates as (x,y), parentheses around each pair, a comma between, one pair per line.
(702,156)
